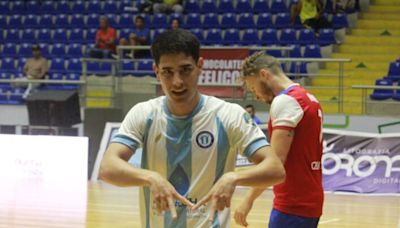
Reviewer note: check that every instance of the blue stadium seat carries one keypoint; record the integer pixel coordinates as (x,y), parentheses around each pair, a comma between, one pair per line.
(176,16)
(394,72)
(382,94)
(16,96)
(326,37)
(288,36)
(312,51)
(208,6)
(157,32)
(15,21)
(306,36)
(339,21)
(75,51)
(74,66)
(93,21)
(193,21)
(199,34)
(3,21)
(4,8)
(261,6)
(12,36)
(28,35)
(298,70)
(25,50)
(9,50)
(228,20)
(91,35)
(282,20)
(58,50)
(246,20)
(55,76)
(31,21)
(77,36)
(144,68)
(93,68)
(61,21)
(57,65)
(111,6)
(396,95)
(243,6)
(278,6)
(211,21)
(44,36)
(71,77)
(106,69)
(127,67)
(125,21)
(48,7)
(231,37)
(225,6)
(44,47)
(33,7)
(269,37)
(264,21)
(18,8)
(214,37)
(275,53)
(192,6)
(63,7)
(94,7)
(8,66)
(296,52)
(124,33)
(46,21)
(78,7)
(60,36)
(78,21)
(20,67)
(250,37)
(159,21)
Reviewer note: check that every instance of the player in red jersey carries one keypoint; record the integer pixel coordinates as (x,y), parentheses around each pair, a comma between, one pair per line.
(295,132)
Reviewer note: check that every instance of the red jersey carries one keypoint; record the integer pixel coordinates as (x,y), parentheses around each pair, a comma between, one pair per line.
(105,36)
(301,194)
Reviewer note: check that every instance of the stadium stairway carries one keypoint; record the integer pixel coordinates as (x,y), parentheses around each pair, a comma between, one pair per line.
(372,45)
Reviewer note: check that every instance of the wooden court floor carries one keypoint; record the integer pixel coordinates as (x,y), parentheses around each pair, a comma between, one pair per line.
(112,207)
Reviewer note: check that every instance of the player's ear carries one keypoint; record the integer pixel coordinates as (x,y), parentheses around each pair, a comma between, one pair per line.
(264,74)
(156,70)
(200,63)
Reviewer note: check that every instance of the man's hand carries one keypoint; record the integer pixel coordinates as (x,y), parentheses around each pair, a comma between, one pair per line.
(242,211)
(220,195)
(164,195)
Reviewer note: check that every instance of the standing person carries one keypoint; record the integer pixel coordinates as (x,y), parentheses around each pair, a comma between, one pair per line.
(295,130)
(311,14)
(189,145)
(139,36)
(105,40)
(35,68)
(252,112)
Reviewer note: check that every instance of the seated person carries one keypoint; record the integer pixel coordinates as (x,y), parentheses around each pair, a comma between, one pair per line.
(343,6)
(167,6)
(252,111)
(311,14)
(35,68)
(105,40)
(138,37)
(175,24)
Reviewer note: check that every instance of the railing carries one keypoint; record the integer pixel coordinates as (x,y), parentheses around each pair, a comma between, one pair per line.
(365,88)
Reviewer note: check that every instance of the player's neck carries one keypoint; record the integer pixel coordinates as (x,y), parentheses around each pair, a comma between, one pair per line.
(282,84)
(184,108)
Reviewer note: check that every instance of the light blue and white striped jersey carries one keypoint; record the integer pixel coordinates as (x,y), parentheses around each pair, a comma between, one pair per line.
(191,152)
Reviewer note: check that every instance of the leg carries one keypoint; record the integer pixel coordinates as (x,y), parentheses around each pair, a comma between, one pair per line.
(159,8)
(177,9)
(27,91)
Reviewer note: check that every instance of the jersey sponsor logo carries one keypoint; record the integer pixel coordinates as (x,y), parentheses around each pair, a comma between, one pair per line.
(316,165)
(204,139)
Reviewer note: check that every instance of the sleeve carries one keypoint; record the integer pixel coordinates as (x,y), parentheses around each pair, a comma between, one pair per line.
(285,112)
(132,128)
(245,134)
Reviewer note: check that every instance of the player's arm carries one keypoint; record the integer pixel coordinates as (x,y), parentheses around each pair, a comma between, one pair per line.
(295,11)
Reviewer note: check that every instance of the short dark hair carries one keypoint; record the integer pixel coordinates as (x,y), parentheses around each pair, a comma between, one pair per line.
(250,106)
(139,18)
(175,42)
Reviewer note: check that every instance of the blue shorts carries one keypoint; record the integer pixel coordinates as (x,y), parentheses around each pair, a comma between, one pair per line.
(282,220)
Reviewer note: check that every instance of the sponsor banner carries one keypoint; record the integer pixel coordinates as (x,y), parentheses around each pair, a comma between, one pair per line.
(361,163)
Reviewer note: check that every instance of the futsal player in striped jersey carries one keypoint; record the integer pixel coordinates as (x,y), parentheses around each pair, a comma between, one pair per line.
(189,143)
(295,132)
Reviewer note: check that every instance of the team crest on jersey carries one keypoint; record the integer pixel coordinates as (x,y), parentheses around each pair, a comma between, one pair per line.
(204,139)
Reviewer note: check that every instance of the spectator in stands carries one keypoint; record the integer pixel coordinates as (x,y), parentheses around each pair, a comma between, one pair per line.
(139,36)
(175,24)
(35,68)
(252,111)
(311,14)
(343,6)
(168,6)
(105,40)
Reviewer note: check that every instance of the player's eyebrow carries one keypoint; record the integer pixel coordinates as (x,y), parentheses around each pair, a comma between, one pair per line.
(185,65)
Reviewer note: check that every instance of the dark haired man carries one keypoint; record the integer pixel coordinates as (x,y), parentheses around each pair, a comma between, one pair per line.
(139,36)
(189,145)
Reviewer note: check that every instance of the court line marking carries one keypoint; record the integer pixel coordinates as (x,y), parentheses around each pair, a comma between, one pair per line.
(329,221)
